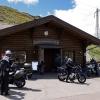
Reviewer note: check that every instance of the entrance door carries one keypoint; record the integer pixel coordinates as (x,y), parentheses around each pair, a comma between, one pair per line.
(50,56)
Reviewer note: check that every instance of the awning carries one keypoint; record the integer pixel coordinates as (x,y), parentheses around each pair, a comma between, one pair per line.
(48,46)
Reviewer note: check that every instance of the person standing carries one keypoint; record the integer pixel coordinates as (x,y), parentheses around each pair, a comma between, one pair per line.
(69,65)
(41,67)
(4,71)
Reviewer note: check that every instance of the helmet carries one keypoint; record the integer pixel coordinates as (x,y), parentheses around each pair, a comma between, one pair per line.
(66,58)
(8,52)
(69,60)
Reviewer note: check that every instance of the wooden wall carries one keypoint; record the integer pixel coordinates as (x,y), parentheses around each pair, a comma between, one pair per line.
(23,41)
(71,43)
(68,42)
(20,41)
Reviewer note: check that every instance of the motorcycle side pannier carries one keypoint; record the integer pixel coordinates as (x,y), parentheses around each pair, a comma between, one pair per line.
(19,74)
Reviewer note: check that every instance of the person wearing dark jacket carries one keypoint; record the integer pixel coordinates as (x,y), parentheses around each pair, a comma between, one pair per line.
(69,65)
(41,67)
(4,73)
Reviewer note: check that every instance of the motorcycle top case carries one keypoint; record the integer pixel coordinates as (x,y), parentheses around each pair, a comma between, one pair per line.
(19,74)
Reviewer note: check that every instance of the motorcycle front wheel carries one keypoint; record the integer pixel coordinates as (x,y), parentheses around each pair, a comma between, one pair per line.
(20,83)
(61,76)
(81,78)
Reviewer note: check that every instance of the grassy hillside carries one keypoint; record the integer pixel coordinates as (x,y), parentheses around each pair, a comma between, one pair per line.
(94,52)
(13,16)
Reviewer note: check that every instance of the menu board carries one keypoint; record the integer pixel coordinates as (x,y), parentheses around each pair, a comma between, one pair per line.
(35,65)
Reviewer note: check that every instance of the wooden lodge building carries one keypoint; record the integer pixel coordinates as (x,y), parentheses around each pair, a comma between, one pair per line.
(44,38)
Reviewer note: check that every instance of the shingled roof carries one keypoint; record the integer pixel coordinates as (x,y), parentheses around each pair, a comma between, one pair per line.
(11,30)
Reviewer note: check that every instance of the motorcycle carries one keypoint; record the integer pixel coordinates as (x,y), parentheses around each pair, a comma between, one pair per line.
(75,74)
(17,76)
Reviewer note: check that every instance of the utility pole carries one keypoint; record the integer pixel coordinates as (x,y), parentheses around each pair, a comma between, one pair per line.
(97,23)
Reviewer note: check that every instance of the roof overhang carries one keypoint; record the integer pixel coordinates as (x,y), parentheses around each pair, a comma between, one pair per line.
(89,39)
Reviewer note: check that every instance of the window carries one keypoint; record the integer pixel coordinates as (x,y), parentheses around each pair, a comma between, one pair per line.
(20,56)
(70,54)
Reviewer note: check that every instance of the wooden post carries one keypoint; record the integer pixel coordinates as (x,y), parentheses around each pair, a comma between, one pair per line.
(84,54)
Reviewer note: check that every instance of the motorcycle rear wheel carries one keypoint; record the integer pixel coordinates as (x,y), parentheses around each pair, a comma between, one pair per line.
(20,83)
(82,78)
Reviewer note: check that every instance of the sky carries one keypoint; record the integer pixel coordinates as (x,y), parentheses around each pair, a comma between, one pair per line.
(79,13)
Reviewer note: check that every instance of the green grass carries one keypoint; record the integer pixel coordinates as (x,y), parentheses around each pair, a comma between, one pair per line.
(94,52)
(13,16)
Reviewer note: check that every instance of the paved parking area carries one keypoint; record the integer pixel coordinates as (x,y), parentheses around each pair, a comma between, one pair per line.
(48,87)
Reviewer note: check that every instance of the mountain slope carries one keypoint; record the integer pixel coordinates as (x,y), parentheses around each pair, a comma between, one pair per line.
(13,16)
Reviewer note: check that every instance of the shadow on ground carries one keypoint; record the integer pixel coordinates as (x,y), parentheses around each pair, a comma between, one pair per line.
(79,83)
(19,95)
(37,76)
(44,76)
(26,89)
(16,95)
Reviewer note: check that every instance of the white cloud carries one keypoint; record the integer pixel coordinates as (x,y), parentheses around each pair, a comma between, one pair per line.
(82,15)
(25,1)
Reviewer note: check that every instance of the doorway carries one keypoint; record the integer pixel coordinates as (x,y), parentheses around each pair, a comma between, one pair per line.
(51,57)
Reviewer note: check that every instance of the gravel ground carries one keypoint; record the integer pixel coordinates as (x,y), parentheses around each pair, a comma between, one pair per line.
(48,87)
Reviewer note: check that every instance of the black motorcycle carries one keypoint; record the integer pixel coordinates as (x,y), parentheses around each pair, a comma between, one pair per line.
(17,76)
(75,74)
